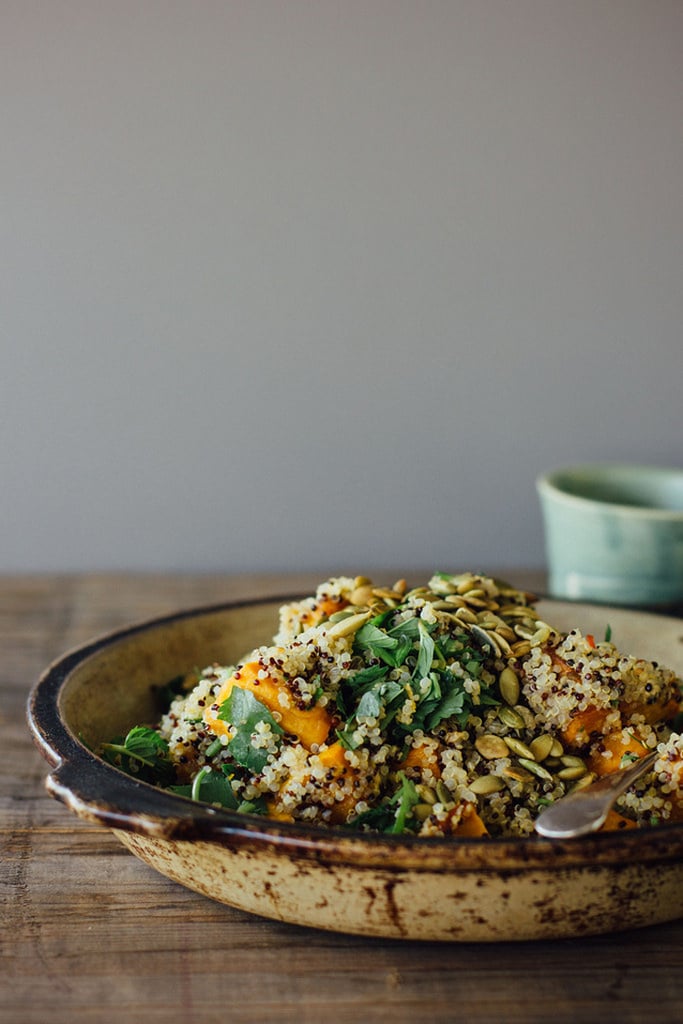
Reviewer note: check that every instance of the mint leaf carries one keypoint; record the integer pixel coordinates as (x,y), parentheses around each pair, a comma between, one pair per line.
(370,635)
(369,705)
(244,713)
(143,753)
(209,787)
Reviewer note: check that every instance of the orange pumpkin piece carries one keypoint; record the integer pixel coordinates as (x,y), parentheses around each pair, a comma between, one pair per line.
(310,725)
(580,728)
(653,713)
(322,610)
(333,756)
(425,756)
(616,822)
(470,826)
(616,745)
(277,815)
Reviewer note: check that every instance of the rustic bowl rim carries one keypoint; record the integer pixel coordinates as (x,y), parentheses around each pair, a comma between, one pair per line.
(102,793)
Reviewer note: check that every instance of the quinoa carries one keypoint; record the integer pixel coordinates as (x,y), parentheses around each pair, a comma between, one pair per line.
(382,709)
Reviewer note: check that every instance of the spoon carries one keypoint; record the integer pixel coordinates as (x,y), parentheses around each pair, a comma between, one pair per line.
(586,809)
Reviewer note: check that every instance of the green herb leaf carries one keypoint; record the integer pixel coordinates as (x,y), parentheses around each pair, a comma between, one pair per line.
(209,787)
(380,819)
(425,653)
(214,747)
(143,753)
(244,713)
(406,798)
(258,806)
(371,636)
(347,738)
(370,705)
(407,628)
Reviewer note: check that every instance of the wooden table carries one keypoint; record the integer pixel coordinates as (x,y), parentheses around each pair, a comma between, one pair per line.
(89,933)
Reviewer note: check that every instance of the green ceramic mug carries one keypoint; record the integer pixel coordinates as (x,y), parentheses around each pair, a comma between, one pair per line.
(614,533)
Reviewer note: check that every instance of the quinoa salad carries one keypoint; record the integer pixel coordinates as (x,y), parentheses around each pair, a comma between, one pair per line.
(448,709)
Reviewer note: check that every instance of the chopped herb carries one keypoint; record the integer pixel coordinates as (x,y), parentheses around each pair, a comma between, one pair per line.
(213,747)
(380,819)
(405,798)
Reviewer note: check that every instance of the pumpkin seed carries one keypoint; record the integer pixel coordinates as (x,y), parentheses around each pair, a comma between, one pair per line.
(422,811)
(465,585)
(519,748)
(557,750)
(518,611)
(426,792)
(518,774)
(503,630)
(584,781)
(386,595)
(349,625)
(486,784)
(536,769)
(541,746)
(521,648)
(338,616)
(510,717)
(541,636)
(443,793)
(502,643)
(570,761)
(466,615)
(485,640)
(575,772)
(361,595)
(527,716)
(508,684)
(491,747)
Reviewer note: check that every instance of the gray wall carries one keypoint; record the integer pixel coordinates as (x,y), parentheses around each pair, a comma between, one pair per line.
(326,284)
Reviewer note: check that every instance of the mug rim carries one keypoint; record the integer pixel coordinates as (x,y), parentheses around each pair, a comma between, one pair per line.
(548,486)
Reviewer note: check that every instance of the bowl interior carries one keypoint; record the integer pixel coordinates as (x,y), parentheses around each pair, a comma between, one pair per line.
(118,685)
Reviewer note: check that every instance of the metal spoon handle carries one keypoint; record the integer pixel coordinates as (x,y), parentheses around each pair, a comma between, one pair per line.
(586,809)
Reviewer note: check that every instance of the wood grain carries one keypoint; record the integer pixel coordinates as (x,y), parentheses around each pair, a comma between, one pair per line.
(91,934)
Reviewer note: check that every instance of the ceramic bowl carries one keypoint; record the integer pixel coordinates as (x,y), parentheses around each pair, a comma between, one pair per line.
(614,533)
(406,888)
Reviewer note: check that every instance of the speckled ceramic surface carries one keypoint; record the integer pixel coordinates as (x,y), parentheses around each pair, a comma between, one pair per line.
(458,890)
(614,533)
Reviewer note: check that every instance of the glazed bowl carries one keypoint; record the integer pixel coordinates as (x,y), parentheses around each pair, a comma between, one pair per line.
(400,887)
(614,533)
